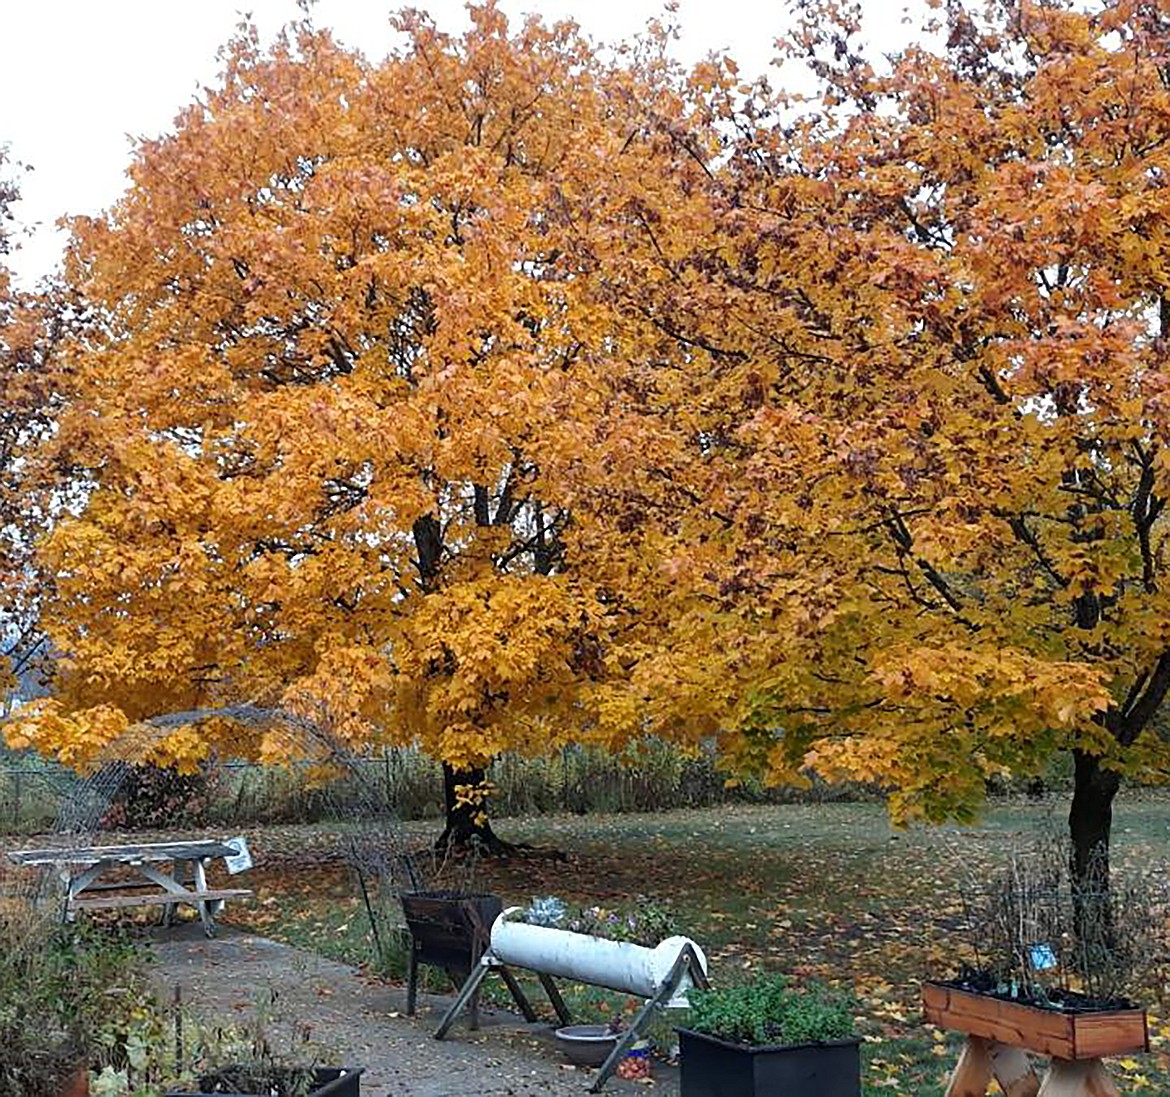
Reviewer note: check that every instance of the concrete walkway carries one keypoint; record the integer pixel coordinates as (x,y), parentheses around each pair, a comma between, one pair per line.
(366,1024)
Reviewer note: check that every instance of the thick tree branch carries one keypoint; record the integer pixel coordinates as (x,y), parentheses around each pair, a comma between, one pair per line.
(1134,719)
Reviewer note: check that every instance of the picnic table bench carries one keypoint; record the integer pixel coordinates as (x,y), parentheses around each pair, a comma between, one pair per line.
(106,877)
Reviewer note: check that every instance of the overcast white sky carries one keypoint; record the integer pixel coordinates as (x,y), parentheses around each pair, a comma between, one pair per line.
(80,77)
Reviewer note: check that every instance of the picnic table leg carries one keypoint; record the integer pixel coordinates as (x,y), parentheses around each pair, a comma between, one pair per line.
(182,876)
(205,914)
(76,884)
(67,912)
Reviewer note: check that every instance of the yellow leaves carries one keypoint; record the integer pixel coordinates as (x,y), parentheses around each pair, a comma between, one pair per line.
(1008,689)
(182,750)
(440,418)
(76,738)
(475,798)
(356,314)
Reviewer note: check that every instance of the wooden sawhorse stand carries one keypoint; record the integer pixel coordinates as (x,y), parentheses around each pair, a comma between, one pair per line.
(688,963)
(982,1060)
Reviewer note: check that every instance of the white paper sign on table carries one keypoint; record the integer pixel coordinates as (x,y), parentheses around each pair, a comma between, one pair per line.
(242,859)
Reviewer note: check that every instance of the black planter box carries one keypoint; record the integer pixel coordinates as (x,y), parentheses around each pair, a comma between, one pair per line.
(715,1068)
(327,1082)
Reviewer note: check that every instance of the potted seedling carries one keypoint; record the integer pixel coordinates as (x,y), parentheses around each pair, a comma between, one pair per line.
(768,1037)
(251,1080)
(249,1061)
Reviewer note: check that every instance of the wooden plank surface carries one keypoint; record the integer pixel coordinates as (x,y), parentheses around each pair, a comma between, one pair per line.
(1049,1032)
(111,902)
(972,1075)
(1085,1079)
(146,851)
(1118,1033)
(982,1060)
(1004,1022)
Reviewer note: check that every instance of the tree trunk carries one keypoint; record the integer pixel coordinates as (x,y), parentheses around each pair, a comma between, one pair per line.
(1090,820)
(467,826)
(461,818)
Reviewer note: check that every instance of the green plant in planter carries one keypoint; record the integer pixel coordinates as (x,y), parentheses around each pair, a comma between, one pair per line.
(644,921)
(771,1011)
(268,1053)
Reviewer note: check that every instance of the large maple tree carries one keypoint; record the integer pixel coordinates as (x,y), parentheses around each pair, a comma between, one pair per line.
(915,473)
(341,370)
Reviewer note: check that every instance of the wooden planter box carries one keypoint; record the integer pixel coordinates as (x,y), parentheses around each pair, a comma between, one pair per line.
(711,1067)
(1046,1031)
(327,1082)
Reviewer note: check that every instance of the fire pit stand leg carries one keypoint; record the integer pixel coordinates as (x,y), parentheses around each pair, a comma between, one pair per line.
(470,990)
(981,1060)
(464,995)
(1086,1078)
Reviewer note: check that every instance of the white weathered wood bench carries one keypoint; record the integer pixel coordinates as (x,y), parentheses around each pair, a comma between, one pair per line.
(143,878)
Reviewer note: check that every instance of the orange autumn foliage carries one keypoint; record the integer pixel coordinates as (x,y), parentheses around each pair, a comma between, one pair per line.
(908,388)
(344,366)
(493,396)
(32,326)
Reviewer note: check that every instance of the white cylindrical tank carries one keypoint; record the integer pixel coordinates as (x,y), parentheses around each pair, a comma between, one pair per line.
(618,965)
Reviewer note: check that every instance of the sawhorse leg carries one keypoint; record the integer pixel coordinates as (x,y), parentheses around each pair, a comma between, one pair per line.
(518,995)
(554,996)
(981,1060)
(687,962)
(462,998)
(1087,1078)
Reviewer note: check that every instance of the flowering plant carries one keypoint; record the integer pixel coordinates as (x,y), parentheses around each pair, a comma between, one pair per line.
(642,922)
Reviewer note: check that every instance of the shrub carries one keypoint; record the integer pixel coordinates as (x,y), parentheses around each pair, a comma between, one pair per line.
(1035,934)
(152,797)
(69,997)
(769,1011)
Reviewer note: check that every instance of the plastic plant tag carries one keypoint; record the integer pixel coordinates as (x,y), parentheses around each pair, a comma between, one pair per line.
(1042,957)
(241,861)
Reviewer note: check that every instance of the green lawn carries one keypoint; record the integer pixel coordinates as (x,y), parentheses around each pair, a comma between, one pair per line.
(828,891)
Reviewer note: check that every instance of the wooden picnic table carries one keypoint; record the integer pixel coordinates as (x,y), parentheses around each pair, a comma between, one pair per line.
(133,875)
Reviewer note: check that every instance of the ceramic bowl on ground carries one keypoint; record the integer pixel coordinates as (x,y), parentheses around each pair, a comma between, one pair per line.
(586,1045)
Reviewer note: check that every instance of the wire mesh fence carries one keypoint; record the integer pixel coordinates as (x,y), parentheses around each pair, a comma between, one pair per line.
(653,776)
